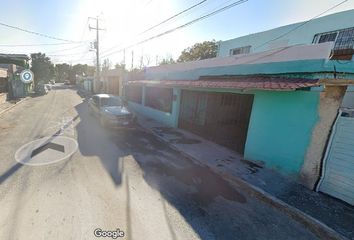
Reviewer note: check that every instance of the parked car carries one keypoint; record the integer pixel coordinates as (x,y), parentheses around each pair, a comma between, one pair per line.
(111,111)
(48,86)
(41,89)
(66,82)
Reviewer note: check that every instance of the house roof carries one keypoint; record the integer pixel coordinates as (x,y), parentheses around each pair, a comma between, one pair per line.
(236,82)
(15,56)
(292,53)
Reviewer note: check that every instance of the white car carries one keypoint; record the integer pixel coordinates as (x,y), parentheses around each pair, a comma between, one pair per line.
(111,111)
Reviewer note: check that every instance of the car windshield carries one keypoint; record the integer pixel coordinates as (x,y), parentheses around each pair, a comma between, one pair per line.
(110,101)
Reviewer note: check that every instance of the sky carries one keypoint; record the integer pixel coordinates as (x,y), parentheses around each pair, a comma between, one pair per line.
(123,22)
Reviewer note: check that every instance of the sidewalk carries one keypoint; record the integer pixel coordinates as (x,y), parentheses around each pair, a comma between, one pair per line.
(4,107)
(322,214)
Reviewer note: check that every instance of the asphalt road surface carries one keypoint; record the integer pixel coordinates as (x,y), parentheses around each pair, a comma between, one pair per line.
(126,180)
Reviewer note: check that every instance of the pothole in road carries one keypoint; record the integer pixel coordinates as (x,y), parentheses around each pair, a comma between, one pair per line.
(46,150)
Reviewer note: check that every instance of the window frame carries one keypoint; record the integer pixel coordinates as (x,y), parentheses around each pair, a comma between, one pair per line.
(149,100)
(128,94)
(243,50)
(338,39)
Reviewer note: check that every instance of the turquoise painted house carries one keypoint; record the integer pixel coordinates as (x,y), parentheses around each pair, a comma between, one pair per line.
(334,27)
(274,105)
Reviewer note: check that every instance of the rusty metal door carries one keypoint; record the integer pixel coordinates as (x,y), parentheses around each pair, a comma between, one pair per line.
(219,117)
(193,111)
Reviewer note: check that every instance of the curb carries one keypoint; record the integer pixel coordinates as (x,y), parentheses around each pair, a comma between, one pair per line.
(16,104)
(315,226)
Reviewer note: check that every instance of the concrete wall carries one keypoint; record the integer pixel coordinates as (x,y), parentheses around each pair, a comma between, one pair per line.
(302,35)
(3,97)
(330,101)
(280,128)
(170,119)
(112,81)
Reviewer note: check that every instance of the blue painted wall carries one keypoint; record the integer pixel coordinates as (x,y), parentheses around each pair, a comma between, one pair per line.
(280,128)
(170,119)
(302,35)
(297,67)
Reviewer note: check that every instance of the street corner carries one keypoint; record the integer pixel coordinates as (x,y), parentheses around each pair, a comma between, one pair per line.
(46,150)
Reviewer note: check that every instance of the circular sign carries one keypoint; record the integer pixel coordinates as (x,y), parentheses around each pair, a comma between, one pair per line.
(26,76)
(46,150)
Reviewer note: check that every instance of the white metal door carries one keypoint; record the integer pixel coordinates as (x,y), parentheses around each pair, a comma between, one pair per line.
(338,170)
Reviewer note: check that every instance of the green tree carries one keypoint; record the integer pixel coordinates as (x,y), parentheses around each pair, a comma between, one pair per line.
(199,51)
(80,69)
(106,65)
(119,66)
(62,71)
(42,68)
(90,70)
(166,61)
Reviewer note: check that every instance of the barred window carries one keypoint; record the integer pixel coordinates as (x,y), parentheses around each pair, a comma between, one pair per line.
(240,50)
(344,39)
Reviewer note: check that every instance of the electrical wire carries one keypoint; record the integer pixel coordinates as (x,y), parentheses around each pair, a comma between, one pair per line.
(66,49)
(63,55)
(172,17)
(304,23)
(83,34)
(159,24)
(181,26)
(36,33)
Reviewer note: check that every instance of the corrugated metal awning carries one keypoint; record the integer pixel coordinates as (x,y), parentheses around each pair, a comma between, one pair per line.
(244,82)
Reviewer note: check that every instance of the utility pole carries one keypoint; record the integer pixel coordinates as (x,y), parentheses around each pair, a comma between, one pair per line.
(97,47)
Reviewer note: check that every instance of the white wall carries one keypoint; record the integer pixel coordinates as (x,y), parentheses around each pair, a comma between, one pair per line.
(302,35)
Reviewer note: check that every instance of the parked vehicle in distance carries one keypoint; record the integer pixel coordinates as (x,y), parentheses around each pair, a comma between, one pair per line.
(48,86)
(111,111)
(41,89)
(66,82)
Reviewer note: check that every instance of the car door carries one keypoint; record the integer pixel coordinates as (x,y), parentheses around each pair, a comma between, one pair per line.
(96,105)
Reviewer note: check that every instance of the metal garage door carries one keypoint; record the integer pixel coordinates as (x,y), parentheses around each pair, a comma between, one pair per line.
(338,169)
(219,117)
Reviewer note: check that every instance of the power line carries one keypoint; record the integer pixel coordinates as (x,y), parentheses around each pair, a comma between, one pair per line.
(38,44)
(176,15)
(52,53)
(69,54)
(304,23)
(159,24)
(66,49)
(182,26)
(36,33)
(79,46)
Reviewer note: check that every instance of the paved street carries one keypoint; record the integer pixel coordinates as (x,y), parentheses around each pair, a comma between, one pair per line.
(118,179)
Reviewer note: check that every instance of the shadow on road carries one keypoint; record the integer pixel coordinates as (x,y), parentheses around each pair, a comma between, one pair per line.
(94,141)
(189,187)
(9,172)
